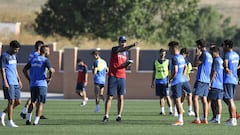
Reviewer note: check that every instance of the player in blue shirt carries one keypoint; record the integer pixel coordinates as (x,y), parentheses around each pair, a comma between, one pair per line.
(230,79)
(216,92)
(99,70)
(203,61)
(38,82)
(187,92)
(176,79)
(11,81)
(33,54)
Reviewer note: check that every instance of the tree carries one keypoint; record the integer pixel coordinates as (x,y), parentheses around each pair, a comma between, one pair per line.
(101,18)
(152,20)
(211,26)
(176,19)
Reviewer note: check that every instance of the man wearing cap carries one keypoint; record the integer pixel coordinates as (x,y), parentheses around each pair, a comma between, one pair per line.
(117,76)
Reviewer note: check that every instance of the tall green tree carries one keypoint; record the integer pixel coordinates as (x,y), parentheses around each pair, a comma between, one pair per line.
(100,18)
(153,20)
(211,26)
(175,20)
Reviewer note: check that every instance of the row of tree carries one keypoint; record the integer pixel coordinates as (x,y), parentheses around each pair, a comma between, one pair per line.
(153,20)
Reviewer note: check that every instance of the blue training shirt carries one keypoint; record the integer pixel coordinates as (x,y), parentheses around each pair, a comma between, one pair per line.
(233,60)
(37,66)
(218,68)
(101,66)
(32,55)
(9,63)
(204,69)
(179,61)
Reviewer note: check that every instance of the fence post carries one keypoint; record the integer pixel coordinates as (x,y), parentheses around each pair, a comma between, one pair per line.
(69,75)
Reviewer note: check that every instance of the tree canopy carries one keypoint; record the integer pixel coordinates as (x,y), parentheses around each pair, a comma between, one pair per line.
(152,20)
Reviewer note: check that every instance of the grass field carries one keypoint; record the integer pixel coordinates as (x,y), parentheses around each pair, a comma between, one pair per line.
(24,11)
(140,117)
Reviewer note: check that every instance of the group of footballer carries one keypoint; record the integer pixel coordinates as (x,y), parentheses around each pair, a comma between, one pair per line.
(216,80)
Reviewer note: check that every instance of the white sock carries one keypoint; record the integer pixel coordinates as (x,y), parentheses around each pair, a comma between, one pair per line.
(162,110)
(119,115)
(218,117)
(29,116)
(36,119)
(10,121)
(175,108)
(189,108)
(107,115)
(170,109)
(24,110)
(234,120)
(180,117)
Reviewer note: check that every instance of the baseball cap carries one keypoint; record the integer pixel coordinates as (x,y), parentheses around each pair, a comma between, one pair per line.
(122,38)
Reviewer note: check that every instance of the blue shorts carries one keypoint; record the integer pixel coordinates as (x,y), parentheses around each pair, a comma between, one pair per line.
(177,90)
(80,87)
(99,85)
(162,90)
(187,87)
(201,89)
(12,93)
(116,84)
(215,94)
(39,94)
(229,91)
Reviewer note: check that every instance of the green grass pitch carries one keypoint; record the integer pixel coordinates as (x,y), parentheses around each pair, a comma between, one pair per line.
(140,117)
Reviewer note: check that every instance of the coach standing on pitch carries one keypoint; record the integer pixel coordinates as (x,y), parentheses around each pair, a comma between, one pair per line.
(117,76)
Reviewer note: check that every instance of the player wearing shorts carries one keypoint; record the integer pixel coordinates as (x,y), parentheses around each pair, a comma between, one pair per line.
(117,76)
(230,79)
(99,70)
(176,79)
(216,91)
(187,92)
(82,81)
(38,82)
(33,54)
(203,60)
(160,78)
(11,81)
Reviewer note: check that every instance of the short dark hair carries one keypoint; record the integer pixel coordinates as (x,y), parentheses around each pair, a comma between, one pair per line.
(212,45)
(95,52)
(201,42)
(162,50)
(38,44)
(184,51)
(228,42)
(42,49)
(173,44)
(215,49)
(14,44)
(79,60)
